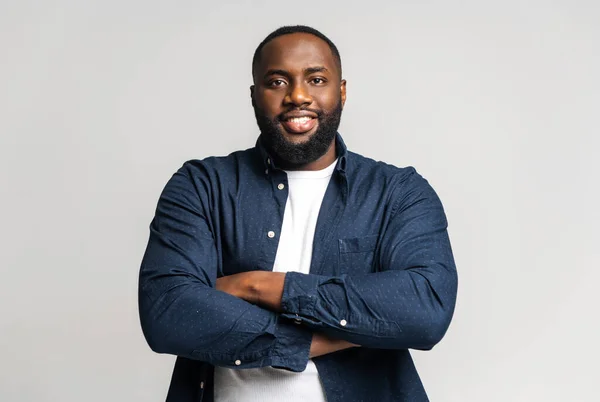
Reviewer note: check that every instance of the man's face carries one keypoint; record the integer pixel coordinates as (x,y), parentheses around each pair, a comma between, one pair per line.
(298,98)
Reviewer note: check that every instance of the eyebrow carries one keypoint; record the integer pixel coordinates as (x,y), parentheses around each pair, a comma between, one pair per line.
(276,72)
(312,70)
(307,71)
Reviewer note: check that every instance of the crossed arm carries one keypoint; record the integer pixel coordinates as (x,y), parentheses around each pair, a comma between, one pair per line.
(259,319)
(265,289)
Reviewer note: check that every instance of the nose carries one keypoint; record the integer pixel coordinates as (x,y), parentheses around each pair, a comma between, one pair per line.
(298,96)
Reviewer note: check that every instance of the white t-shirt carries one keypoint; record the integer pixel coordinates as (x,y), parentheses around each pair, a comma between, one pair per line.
(294,253)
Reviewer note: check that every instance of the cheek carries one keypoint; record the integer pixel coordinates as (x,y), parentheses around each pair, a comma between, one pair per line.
(328,102)
(269,102)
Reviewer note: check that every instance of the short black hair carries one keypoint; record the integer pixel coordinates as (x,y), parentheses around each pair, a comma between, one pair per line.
(286,30)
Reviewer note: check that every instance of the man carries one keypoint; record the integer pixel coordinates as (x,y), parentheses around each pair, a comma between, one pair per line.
(296,270)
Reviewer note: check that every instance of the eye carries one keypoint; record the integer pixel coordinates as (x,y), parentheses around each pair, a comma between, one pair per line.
(276,83)
(318,81)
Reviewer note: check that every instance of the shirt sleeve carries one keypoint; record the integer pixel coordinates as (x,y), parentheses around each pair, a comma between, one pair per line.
(408,303)
(183,314)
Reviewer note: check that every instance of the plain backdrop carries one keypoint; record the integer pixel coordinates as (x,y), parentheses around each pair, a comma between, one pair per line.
(495,103)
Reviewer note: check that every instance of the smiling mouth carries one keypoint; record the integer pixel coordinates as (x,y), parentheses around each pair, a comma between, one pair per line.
(299,125)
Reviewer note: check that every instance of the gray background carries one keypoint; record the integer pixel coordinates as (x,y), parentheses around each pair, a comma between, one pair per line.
(496,103)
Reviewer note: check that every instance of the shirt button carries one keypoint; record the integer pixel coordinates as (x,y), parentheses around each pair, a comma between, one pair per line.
(271,234)
(238,362)
(343,323)
(281,186)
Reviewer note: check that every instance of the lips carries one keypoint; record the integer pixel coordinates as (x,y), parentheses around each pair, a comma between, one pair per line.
(299,123)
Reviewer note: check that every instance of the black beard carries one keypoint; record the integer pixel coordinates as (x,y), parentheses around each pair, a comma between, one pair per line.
(296,155)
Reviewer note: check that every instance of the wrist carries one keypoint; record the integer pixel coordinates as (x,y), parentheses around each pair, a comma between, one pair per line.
(252,287)
(265,289)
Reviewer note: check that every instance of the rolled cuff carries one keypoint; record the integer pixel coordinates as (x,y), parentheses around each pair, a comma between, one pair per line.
(292,349)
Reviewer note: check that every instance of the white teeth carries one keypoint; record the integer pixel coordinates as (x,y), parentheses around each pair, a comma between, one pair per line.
(300,120)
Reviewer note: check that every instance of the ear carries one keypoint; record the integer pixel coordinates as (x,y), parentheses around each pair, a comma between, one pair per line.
(343,92)
(252,95)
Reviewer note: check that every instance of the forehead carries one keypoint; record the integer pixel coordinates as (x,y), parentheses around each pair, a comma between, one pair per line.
(294,52)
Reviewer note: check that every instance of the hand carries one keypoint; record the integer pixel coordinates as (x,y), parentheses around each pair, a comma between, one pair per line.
(322,345)
(237,285)
(264,288)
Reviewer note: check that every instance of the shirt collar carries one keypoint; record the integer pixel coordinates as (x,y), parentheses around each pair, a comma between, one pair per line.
(341,152)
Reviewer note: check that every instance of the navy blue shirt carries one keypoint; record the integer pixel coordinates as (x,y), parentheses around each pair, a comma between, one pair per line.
(382,276)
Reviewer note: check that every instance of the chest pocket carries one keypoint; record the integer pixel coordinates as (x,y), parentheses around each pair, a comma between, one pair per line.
(357,255)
